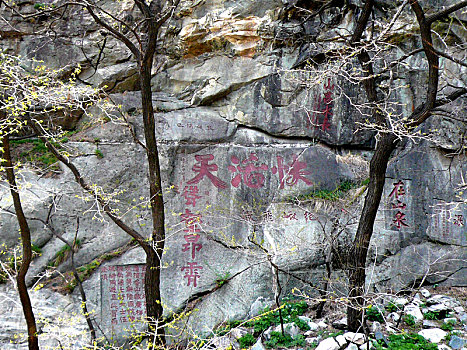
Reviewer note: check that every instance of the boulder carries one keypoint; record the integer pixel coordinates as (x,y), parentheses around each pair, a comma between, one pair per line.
(328,344)
(434,335)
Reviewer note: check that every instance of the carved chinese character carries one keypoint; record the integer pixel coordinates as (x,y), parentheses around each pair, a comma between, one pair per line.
(192,273)
(398,190)
(399,220)
(267,216)
(322,109)
(192,221)
(191,195)
(309,216)
(192,244)
(252,176)
(458,220)
(290,215)
(204,169)
(292,173)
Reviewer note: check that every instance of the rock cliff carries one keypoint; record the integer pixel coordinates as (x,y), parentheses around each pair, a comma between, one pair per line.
(256,149)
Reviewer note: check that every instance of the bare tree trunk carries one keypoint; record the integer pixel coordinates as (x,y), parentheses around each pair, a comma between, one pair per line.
(378,166)
(33,342)
(153,259)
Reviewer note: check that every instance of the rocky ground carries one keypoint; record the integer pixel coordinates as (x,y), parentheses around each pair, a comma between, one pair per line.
(428,320)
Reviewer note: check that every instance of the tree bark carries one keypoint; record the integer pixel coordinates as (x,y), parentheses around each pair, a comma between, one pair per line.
(378,166)
(153,258)
(33,341)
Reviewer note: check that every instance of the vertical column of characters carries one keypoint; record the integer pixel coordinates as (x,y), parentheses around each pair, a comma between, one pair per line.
(322,113)
(398,205)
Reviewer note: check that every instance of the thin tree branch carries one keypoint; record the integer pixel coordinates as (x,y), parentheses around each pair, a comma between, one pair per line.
(439,15)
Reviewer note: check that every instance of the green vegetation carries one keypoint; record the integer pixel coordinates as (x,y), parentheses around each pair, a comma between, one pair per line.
(290,312)
(246,340)
(391,307)
(99,153)
(450,334)
(222,279)
(409,320)
(332,195)
(448,326)
(410,341)
(83,272)
(435,315)
(374,314)
(63,254)
(279,340)
(34,152)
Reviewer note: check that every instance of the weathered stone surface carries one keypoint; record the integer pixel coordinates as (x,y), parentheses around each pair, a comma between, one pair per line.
(245,145)
(457,342)
(414,311)
(356,338)
(58,317)
(328,344)
(434,335)
(258,346)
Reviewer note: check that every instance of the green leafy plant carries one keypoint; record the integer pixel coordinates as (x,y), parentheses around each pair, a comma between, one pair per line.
(409,320)
(286,340)
(448,326)
(290,311)
(435,315)
(34,152)
(99,153)
(450,334)
(222,279)
(391,307)
(302,324)
(405,341)
(374,314)
(246,340)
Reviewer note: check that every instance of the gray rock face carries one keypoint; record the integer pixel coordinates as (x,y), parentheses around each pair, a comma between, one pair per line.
(328,344)
(457,342)
(251,151)
(58,319)
(434,335)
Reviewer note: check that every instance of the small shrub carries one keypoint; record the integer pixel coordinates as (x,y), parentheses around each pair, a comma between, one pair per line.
(435,315)
(279,340)
(302,324)
(409,320)
(99,154)
(290,312)
(374,314)
(448,326)
(246,340)
(391,307)
(410,341)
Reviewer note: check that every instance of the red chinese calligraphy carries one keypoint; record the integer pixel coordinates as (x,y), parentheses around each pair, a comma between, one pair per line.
(192,273)
(120,287)
(290,215)
(398,190)
(190,193)
(192,221)
(252,176)
(397,194)
(458,220)
(292,173)
(323,109)
(399,220)
(205,170)
(191,243)
(309,216)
